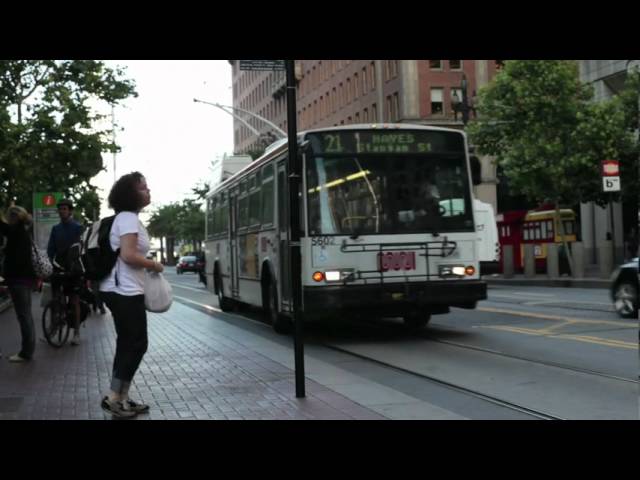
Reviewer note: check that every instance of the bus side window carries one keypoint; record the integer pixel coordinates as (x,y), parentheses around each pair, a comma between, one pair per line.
(254,202)
(211,224)
(267,202)
(224,213)
(243,211)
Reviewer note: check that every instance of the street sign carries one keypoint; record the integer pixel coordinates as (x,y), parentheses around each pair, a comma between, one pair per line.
(611,184)
(45,215)
(610,168)
(259,65)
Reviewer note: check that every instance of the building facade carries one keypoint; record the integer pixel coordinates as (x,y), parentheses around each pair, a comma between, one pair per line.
(607,78)
(343,92)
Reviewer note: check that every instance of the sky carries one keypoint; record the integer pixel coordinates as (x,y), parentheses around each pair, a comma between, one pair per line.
(163,133)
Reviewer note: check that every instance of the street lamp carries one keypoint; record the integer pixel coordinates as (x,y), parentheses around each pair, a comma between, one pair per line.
(463,106)
(237,117)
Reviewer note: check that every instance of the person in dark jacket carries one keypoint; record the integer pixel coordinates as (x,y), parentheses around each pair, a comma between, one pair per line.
(19,275)
(63,235)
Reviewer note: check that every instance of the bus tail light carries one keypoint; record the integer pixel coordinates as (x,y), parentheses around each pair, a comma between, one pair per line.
(318,276)
(470,270)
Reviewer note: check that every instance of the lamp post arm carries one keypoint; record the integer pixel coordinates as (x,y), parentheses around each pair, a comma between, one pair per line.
(255,115)
(237,117)
(271,124)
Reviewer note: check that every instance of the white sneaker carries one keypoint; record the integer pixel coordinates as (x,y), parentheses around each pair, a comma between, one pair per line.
(17,358)
(76,339)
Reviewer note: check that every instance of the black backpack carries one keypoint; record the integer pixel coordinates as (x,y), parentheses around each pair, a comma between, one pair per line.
(97,255)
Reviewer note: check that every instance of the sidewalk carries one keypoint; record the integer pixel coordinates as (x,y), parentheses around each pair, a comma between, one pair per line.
(197,367)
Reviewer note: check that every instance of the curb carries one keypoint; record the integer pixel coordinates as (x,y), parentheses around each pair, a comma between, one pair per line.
(5,304)
(551,282)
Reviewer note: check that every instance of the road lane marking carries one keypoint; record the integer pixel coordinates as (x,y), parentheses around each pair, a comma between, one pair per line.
(549,295)
(580,338)
(544,316)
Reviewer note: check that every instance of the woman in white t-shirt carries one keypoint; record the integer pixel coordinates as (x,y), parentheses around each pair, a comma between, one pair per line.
(123,290)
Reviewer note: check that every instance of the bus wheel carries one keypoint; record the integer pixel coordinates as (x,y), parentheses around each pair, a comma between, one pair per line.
(416,320)
(280,323)
(226,304)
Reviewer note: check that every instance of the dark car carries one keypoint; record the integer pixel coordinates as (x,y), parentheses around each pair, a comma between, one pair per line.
(625,288)
(188,264)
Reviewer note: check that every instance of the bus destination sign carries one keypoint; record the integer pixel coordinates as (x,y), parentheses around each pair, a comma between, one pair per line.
(397,141)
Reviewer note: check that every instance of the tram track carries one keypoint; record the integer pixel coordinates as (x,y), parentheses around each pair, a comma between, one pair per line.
(320,339)
(427,335)
(458,388)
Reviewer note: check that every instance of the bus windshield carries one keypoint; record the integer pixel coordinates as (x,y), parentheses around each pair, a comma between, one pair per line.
(388,194)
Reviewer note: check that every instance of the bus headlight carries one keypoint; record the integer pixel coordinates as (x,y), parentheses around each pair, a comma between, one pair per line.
(342,275)
(451,271)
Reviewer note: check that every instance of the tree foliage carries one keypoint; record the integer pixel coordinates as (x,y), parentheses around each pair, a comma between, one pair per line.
(50,136)
(549,136)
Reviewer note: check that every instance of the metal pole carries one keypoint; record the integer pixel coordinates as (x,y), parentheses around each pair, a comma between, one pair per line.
(294,171)
(613,232)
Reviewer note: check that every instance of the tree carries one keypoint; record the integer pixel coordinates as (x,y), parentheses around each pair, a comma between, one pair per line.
(539,122)
(191,223)
(50,138)
(163,224)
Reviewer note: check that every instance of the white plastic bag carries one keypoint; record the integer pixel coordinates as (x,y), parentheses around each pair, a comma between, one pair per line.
(157,293)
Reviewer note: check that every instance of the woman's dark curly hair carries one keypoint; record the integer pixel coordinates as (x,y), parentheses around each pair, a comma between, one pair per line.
(124,195)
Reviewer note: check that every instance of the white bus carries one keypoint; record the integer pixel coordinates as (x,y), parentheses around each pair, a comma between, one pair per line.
(374,236)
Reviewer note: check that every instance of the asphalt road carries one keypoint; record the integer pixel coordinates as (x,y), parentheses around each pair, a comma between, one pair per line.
(563,351)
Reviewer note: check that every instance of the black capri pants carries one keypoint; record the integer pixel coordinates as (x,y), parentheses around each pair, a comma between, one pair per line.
(130,318)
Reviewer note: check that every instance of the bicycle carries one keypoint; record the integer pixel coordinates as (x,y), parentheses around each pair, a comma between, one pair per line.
(57,316)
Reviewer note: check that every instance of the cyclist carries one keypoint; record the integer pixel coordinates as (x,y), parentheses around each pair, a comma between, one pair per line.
(63,236)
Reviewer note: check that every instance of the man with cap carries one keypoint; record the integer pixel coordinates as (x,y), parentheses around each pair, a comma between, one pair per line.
(63,236)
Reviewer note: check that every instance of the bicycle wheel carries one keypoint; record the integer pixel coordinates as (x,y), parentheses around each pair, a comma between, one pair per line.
(54,324)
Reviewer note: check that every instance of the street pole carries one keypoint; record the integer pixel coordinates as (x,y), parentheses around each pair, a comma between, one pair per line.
(294,171)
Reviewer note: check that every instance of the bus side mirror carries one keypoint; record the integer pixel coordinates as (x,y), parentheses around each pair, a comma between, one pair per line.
(476,170)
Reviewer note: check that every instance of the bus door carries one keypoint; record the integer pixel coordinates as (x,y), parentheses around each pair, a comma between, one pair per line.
(233,241)
(284,282)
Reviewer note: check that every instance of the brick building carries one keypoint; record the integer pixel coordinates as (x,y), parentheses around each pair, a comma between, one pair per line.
(342,92)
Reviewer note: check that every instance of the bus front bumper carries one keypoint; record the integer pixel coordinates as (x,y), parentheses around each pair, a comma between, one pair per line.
(395,298)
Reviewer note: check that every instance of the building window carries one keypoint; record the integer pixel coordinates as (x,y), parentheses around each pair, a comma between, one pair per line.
(455,64)
(374,113)
(364,81)
(435,64)
(357,117)
(437,107)
(365,115)
(356,87)
(372,75)
(388,114)
(396,107)
(349,92)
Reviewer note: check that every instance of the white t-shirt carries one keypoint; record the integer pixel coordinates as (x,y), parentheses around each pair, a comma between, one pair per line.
(130,278)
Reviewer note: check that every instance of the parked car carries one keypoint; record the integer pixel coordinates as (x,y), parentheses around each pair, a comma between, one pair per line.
(187,264)
(625,286)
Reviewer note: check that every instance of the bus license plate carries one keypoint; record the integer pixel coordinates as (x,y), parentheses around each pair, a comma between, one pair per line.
(396,261)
